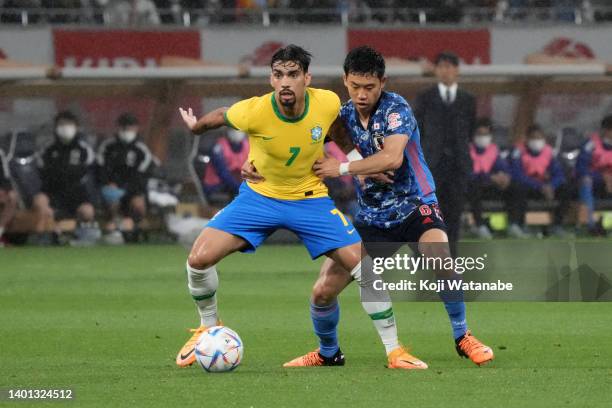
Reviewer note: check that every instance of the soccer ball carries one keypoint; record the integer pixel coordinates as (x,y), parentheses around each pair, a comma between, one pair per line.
(219,349)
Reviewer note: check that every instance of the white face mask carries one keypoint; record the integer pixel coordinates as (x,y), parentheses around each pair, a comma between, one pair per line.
(482,141)
(235,136)
(66,133)
(536,145)
(127,136)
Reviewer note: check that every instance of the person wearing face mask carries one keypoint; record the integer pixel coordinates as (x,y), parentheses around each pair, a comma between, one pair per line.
(490,178)
(65,165)
(124,165)
(226,159)
(594,174)
(537,174)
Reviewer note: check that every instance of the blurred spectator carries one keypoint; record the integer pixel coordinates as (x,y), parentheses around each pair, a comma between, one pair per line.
(8,198)
(603,10)
(490,177)
(170,11)
(538,175)
(131,12)
(565,10)
(124,164)
(482,10)
(518,9)
(62,11)
(20,11)
(226,159)
(594,173)
(66,166)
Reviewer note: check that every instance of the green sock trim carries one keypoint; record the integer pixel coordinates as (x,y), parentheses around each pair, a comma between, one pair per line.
(386,314)
(202,297)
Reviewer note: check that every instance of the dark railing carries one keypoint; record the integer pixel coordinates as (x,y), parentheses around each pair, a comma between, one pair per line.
(502,13)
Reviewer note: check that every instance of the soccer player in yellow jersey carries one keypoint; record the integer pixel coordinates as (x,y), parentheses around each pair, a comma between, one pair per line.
(286,131)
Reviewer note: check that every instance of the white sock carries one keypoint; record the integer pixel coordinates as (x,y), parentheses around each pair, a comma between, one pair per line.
(381,312)
(203,284)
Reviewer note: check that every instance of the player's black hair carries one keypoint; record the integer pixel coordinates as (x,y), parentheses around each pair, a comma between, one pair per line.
(534,128)
(364,60)
(447,56)
(127,119)
(67,116)
(292,53)
(484,122)
(606,123)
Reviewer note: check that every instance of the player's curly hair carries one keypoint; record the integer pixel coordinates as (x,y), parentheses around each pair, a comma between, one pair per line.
(364,60)
(292,53)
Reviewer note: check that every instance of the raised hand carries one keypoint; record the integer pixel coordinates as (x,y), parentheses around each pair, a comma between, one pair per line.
(188,117)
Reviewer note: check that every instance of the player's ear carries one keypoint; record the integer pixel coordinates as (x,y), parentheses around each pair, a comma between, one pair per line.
(272,80)
(383,81)
(307,78)
(345,80)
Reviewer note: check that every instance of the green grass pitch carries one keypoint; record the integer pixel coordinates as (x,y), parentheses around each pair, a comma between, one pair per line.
(108,323)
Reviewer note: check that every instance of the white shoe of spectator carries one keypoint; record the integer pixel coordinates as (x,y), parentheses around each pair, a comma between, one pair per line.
(515,231)
(483,232)
(114,238)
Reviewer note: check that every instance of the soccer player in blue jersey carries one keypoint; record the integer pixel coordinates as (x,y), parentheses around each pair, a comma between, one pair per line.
(384,132)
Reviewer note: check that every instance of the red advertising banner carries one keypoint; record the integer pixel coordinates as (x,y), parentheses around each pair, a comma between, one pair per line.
(472,46)
(122,48)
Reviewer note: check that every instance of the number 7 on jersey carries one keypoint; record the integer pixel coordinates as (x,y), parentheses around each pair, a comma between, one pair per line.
(294,150)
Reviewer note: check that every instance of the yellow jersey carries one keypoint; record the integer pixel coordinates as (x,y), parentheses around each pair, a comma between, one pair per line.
(284,149)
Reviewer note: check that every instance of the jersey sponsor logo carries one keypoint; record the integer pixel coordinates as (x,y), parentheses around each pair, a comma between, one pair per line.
(316,133)
(394,120)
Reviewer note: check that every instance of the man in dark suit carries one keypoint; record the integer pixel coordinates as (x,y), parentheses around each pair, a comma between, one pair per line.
(446,116)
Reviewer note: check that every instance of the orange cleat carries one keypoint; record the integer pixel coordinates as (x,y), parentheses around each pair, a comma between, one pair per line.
(400,358)
(186,356)
(470,347)
(315,359)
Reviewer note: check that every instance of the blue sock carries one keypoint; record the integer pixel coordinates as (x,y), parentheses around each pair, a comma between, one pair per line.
(456,314)
(325,321)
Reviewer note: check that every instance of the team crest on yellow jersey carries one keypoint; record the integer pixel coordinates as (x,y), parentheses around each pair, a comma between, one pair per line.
(316,133)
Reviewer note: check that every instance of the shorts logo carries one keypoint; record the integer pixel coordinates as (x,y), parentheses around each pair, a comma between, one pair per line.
(316,133)
(394,120)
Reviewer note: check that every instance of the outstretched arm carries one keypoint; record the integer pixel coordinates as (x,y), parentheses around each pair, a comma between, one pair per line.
(212,120)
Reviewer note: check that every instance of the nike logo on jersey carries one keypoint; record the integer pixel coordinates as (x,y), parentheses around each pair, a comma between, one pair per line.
(351,231)
(267,138)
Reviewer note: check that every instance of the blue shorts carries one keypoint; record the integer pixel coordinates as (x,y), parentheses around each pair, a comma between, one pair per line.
(316,221)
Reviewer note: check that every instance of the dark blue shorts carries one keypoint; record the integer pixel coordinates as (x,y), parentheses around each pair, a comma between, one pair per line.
(316,221)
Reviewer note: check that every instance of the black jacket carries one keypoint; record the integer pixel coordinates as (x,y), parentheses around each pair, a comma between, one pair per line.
(65,166)
(446,130)
(126,164)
